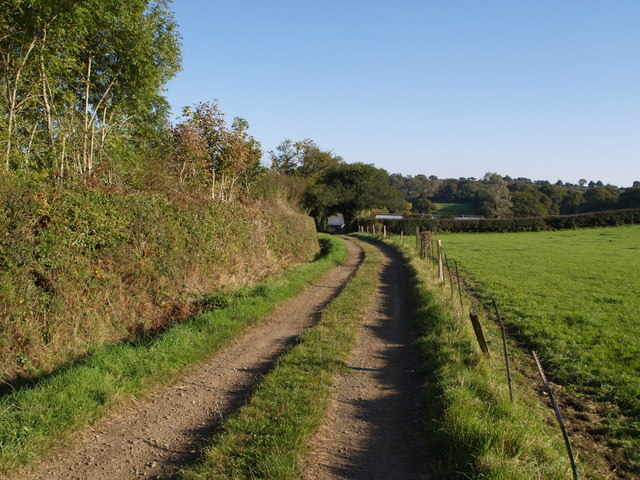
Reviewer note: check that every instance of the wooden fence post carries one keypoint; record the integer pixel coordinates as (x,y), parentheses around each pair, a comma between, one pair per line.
(424,245)
(450,276)
(424,242)
(459,286)
(384,231)
(440,265)
(401,236)
(421,246)
(417,239)
(477,328)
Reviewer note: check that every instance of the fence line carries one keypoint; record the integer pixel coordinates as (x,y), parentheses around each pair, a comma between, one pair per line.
(485,350)
(426,250)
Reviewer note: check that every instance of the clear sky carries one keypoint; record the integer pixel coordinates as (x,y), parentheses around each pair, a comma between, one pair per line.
(544,89)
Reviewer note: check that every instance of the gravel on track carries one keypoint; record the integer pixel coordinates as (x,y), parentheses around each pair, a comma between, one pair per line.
(373,429)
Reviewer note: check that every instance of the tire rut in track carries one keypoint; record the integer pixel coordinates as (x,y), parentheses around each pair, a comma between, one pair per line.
(155,437)
(372,429)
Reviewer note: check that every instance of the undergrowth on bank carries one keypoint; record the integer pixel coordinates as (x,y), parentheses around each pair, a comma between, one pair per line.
(268,437)
(35,419)
(472,429)
(82,267)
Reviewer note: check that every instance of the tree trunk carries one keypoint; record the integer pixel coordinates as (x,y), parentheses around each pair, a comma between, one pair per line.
(231,188)
(222,189)
(93,136)
(9,128)
(45,100)
(12,95)
(62,157)
(33,133)
(85,133)
(213,183)
(103,130)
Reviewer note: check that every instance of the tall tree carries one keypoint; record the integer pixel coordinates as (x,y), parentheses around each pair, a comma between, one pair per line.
(600,198)
(304,158)
(630,198)
(422,205)
(495,201)
(82,78)
(352,188)
(206,150)
(285,159)
(527,204)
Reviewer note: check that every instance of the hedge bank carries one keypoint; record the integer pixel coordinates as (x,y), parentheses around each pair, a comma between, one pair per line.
(83,267)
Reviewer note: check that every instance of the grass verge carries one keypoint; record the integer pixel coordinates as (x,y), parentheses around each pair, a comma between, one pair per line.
(35,419)
(472,428)
(268,437)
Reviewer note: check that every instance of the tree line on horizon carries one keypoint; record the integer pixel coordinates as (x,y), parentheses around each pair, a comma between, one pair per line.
(326,185)
(495,196)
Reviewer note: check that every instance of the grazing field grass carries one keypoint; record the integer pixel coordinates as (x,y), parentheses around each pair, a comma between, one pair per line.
(455,209)
(268,436)
(574,296)
(34,419)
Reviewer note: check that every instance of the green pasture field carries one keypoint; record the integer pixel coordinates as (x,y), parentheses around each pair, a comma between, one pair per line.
(455,209)
(574,296)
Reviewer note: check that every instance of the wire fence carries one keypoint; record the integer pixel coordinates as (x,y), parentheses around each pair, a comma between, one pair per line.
(432,250)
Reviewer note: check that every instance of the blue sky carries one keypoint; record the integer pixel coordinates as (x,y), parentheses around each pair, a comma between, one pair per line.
(454,88)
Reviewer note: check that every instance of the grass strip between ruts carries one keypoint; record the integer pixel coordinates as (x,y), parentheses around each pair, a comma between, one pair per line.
(473,431)
(35,419)
(268,437)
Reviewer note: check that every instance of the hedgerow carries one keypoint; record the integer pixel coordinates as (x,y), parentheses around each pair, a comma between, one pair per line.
(503,225)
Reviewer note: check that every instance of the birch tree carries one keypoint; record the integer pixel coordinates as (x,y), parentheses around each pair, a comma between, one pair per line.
(208,151)
(80,78)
